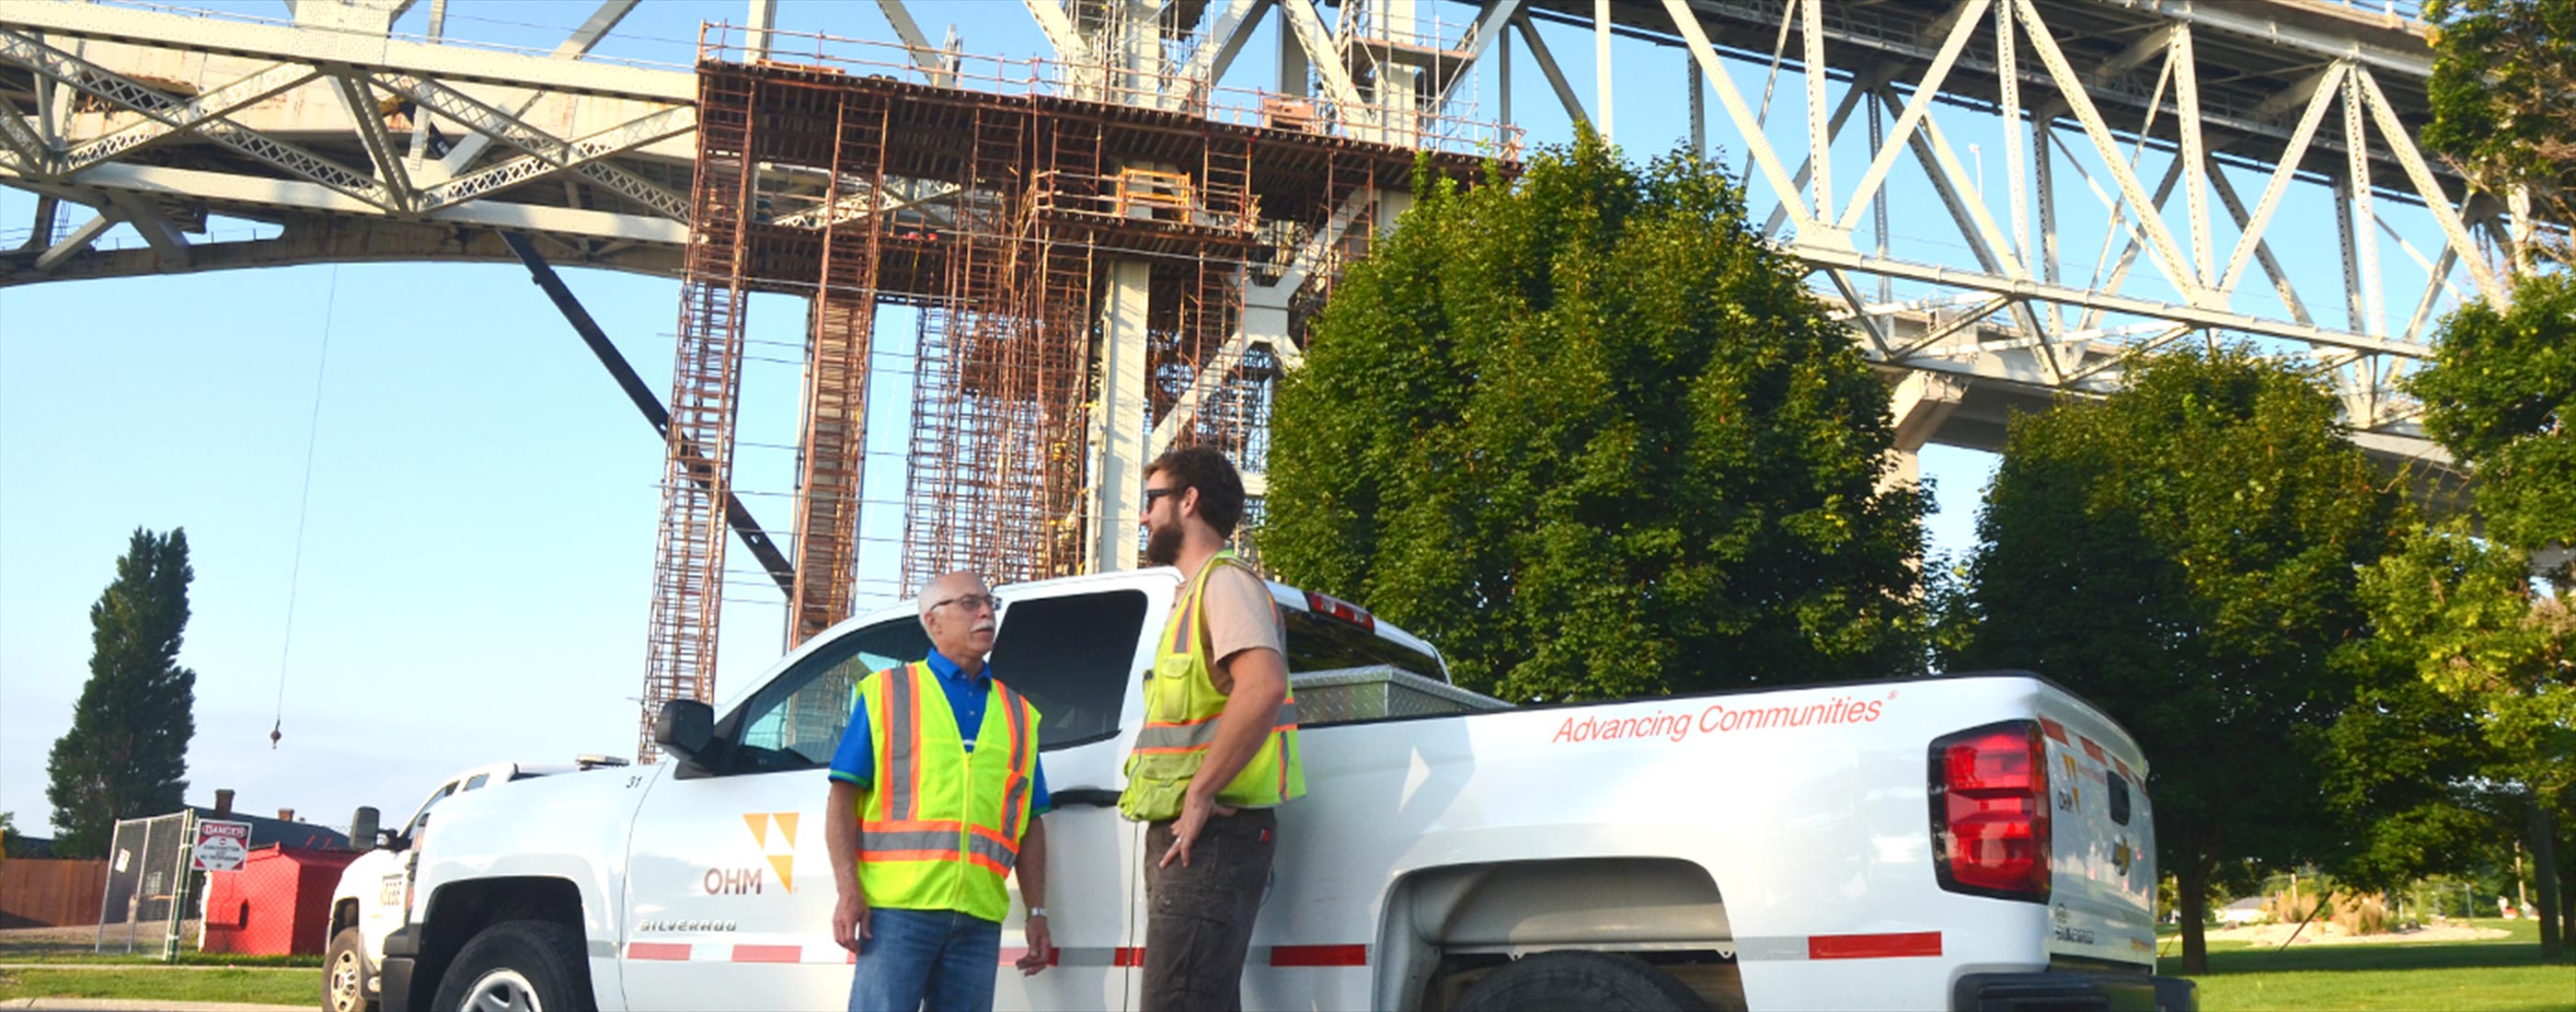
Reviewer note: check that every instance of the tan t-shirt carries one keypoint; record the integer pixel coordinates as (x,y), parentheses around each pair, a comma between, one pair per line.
(1240,616)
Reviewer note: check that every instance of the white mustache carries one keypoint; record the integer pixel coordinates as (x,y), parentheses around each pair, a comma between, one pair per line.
(984,626)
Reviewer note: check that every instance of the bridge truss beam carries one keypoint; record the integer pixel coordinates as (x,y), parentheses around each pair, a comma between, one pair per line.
(355,148)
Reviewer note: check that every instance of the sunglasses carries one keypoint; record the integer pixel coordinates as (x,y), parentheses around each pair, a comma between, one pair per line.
(1152,494)
(972,602)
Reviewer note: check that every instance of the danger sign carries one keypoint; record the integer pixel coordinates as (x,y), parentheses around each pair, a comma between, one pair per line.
(221,846)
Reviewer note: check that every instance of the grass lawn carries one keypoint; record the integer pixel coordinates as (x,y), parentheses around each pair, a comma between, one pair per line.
(223,959)
(2500,974)
(257,985)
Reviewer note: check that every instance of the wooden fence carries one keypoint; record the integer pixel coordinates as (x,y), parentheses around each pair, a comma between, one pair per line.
(45,892)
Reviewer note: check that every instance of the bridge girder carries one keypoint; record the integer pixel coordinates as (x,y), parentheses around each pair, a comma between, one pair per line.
(355,147)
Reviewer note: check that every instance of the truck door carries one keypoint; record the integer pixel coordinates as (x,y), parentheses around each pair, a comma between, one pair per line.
(729,884)
(1074,652)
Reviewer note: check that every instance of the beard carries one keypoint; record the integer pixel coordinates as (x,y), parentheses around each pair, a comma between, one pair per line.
(1163,545)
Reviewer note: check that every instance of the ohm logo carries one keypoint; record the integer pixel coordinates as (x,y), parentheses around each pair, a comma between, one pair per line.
(775,834)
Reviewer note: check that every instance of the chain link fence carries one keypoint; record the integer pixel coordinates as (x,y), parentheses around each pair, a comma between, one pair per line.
(149,884)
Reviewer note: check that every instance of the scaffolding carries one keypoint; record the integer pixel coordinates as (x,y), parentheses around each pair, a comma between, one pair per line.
(1078,258)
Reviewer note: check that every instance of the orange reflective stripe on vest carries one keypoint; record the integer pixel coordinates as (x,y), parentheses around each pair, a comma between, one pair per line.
(941,829)
(1182,707)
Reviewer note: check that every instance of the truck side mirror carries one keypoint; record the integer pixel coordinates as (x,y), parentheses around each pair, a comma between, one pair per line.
(362,829)
(684,728)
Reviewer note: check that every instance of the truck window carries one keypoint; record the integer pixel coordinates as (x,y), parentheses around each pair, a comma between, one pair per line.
(1070,655)
(795,721)
(413,827)
(1316,643)
(479,780)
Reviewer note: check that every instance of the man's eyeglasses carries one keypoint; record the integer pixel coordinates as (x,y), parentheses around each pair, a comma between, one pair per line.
(971,602)
(1152,494)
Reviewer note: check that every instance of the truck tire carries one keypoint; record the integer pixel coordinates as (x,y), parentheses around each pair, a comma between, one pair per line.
(344,974)
(522,966)
(1584,980)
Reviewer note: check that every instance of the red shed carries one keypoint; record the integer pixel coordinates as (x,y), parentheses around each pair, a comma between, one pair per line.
(279,902)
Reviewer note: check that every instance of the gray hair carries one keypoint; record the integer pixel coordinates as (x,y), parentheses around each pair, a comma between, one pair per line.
(929,591)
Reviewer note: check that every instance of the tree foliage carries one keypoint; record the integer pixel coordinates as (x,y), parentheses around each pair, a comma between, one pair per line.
(2462,616)
(2500,394)
(1585,430)
(126,754)
(2182,554)
(2503,71)
(2465,616)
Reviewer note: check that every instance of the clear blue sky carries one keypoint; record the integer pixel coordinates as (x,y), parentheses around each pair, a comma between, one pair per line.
(477,552)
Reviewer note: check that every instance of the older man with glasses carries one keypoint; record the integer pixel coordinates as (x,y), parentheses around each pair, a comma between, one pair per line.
(936,799)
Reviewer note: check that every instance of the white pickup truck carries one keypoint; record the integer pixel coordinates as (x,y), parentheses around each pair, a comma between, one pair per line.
(1960,842)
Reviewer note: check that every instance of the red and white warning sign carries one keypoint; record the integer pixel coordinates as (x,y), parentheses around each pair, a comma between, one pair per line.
(221,845)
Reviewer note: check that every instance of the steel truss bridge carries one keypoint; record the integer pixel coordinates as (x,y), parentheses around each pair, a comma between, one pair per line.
(2163,138)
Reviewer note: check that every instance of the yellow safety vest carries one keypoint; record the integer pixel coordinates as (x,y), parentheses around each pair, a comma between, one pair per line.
(941,827)
(1181,710)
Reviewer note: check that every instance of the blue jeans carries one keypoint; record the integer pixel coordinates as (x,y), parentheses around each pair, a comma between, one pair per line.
(942,956)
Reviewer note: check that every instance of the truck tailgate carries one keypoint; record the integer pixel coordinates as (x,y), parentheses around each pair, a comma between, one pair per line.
(2102,858)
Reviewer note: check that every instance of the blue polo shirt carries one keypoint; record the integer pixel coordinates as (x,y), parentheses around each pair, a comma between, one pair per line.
(855,763)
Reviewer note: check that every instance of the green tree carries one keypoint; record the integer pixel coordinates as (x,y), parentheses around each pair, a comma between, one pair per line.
(2464,616)
(2182,554)
(1587,431)
(126,754)
(2499,394)
(2502,74)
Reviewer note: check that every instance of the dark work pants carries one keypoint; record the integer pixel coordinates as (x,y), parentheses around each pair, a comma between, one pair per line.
(1198,923)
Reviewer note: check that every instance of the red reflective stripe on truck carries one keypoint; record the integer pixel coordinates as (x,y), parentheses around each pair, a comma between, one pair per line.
(2123,766)
(768,953)
(2056,732)
(1319,955)
(657,950)
(2095,751)
(1914,943)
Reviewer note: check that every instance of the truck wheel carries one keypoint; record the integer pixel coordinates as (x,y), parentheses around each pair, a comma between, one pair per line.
(344,974)
(1584,980)
(518,966)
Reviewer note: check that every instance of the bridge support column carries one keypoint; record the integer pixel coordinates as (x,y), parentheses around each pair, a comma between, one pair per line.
(1920,404)
(1118,418)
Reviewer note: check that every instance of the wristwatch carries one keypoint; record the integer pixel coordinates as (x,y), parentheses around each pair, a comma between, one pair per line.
(1036,912)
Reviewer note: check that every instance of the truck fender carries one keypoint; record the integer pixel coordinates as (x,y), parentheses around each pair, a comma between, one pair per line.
(458,911)
(1440,921)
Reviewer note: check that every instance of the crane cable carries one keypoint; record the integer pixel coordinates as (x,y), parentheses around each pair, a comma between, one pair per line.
(304,505)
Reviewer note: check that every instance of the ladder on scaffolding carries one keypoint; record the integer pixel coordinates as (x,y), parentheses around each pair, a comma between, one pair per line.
(688,569)
(832,477)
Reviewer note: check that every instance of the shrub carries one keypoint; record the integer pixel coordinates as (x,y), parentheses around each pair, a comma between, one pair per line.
(2287,907)
(2359,914)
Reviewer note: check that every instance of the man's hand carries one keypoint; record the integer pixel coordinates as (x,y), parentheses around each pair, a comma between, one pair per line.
(1041,948)
(850,920)
(1185,827)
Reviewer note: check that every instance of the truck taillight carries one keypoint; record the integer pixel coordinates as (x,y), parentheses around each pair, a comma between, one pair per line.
(1334,607)
(1990,811)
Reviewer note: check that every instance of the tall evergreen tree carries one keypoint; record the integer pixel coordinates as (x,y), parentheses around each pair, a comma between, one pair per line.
(1587,431)
(126,754)
(2183,555)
